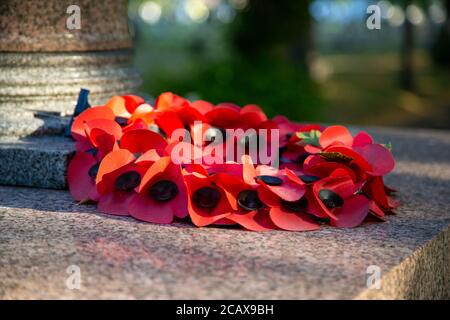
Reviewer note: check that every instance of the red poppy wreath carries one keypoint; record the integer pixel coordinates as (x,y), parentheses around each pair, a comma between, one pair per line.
(224,165)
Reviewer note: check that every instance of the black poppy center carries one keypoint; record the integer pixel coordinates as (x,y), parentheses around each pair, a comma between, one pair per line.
(309,179)
(206,197)
(128,181)
(163,190)
(122,121)
(330,198)
(92,151)
(94,170)
(270,180)
(295,206)
(249,200)
(301,158)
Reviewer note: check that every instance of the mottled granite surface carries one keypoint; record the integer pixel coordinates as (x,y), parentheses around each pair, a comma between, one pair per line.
(36,25)
(50,82)
(43,232)
(39,161)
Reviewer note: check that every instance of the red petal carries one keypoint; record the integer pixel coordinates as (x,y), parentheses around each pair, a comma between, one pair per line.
(289,191)
(335,135)
(362,139)
(189,115)
(81,185)
(379,158)
(132,102)
(88,115)
(168,101)
(268,197)
(146,209)
(148,158)
(97,127)
(203,217)
(117,105)
(340,182)
(315,206)
(254,220)
(168,122)
(252,115)
(223,117)
(112,162)
(83,144)
(144,113)
(115,203)
(352,213)
(141,140)
(180,203)
(312,149)
(375,188)
(357,158)
(202,106)
(376,209)
(157,168)
(292,221)
(293,177)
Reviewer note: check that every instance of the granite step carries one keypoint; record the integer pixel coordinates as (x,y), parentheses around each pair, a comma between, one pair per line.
(46,240)
(36,161)
(45,235)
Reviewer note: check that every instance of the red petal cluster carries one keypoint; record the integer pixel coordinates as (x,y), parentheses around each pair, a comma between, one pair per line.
(325,175)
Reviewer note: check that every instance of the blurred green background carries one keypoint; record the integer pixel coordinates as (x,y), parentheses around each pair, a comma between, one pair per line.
(310,60)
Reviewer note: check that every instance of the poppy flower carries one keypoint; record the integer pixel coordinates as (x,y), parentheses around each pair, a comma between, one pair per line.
(336,143)
(202,106)
(170,101)
(117,178)
(289,215)
(276,181)
(124,106)
(78,128)
(208,203)
(293,153)
(230,116)
(161,194)
(101,137)
(128,160)
(376,190)
(174,112)
(248,209)
(169,121)
(139,141)
(338,198)
(81,174)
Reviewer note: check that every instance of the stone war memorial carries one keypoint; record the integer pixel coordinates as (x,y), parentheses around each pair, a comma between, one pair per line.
(56,246)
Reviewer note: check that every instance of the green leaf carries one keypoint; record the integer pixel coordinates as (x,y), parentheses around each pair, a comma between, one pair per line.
(387,146)
(335,157)
(311,137)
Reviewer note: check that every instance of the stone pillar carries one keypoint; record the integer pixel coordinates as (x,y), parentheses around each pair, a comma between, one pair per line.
(43,63)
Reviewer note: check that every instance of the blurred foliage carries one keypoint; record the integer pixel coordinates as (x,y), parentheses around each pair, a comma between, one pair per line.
(441,46)
(259,58)
(259,51)
(275,85)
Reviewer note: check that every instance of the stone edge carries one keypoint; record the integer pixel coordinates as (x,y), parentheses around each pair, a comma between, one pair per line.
(424,274)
